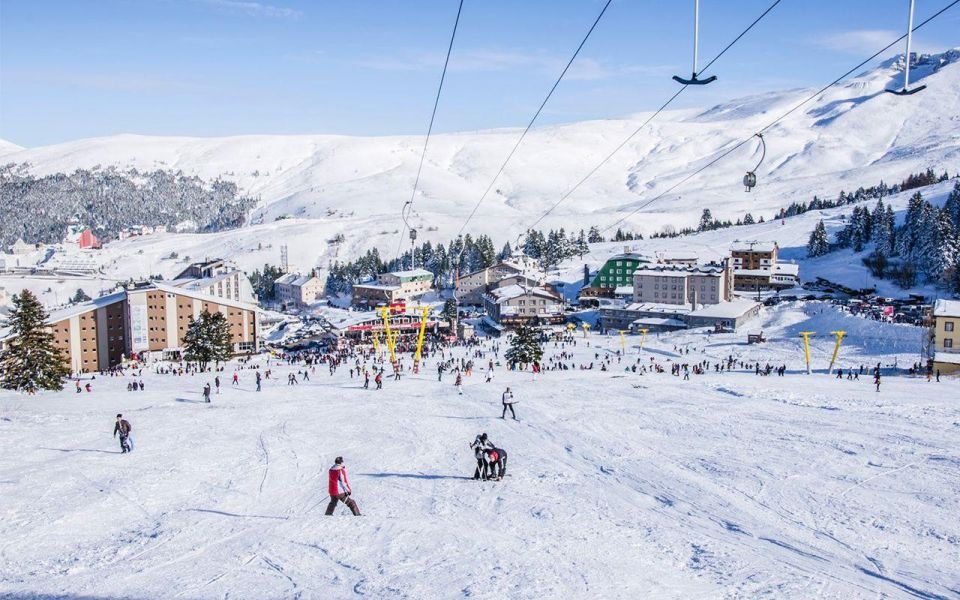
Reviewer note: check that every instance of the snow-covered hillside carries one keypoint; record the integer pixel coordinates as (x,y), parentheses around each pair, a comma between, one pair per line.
(620,485)
(852,135)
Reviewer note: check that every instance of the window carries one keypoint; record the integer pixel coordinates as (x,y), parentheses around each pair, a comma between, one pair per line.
(948,326)
(948,343)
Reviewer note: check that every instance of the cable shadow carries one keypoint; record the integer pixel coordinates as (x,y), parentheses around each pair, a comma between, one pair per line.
(413,476)
(230,514)
(80,450)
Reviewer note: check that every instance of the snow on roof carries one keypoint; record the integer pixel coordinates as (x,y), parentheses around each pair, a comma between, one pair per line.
(294,279)
(787,269)
(725,310)
(623,290)
(952,358)
(172,289)
(752,246)
(82,307)
(630,256)
(411,273)
(659,322)
(654,307)
(946,308)
(376,286)
(509,292)
(680,271)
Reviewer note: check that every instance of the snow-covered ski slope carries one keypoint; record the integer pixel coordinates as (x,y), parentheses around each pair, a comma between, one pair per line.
(621,485)
(854,134)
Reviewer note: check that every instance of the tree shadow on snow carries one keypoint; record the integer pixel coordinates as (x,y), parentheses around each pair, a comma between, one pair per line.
(230,514)
(414,476)
(192,401)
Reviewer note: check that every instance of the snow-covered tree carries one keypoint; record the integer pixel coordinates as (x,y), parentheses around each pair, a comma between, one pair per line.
(80,296)
(818,245)
(706,220)
(525,346)
(593,236)
(31,360)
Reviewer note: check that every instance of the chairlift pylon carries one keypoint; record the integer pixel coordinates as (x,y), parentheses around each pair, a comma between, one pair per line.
(696,42)
(906,91)
(750,179)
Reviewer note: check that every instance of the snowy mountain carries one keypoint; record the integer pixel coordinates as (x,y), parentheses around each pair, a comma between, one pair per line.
(9,148)
(321,185)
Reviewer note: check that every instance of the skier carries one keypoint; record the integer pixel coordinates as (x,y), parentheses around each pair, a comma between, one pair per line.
(366,379)
(216,383)
(236,378)
(339,488)
(259,378)
(206,393)
(379,380)
(508,402)
(123,428)
(498,463)
(876,379)
(481,444)
(459,384)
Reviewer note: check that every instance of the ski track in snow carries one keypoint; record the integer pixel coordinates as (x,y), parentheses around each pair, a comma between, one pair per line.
(621,486)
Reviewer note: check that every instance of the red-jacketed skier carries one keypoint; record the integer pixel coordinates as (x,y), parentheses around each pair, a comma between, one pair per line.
(339,488)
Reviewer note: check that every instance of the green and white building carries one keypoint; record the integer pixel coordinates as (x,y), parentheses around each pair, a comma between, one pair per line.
(617,272)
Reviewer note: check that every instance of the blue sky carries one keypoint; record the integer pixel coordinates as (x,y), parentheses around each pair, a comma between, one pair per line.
(81,68)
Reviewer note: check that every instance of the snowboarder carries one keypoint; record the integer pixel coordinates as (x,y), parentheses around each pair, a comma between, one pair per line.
(339,488)
(508,402)
(206,393)
(123,428)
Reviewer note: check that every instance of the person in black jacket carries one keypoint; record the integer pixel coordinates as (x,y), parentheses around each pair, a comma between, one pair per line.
(123,428)
(480,445)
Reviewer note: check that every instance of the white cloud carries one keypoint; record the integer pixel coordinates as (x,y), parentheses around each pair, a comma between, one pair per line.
(484,60)
(255,9)
(865,42)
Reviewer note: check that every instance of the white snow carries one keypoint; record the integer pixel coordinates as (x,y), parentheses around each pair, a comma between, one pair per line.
(621,485)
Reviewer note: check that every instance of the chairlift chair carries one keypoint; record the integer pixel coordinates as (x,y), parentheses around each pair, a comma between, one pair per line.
(750,179)
(696,41)
(906,91)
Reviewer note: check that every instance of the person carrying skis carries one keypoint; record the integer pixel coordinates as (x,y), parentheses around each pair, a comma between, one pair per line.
(339,488)
(508,402)
(123,428)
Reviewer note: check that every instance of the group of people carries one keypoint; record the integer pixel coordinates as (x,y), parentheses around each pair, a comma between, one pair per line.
(491,461)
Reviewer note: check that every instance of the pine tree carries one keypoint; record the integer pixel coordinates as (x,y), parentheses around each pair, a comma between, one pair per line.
(952,206)
(581,244)
(524,346)
(450,310)
(506,252)
(586,275)
(882,232)
(945,248)
(748,219)
(818,245)
(593,236)
(706,220)
(31,361)
(80,296)
(208,339)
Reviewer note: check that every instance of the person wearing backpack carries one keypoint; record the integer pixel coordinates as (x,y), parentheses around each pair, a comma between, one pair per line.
(124,428)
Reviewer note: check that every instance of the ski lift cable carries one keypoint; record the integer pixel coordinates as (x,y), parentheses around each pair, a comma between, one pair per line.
(537,114)
(404,212)
(663,106)
(777,120)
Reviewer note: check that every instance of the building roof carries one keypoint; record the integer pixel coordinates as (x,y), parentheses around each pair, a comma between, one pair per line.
(946,308)
(680,270)
(725,310)
(295,279)
(630,256)
(376,286)
(411,273)
(172,289)
(509,292)
(952,358)
(752,246)
(658,308)
(659,322)
(623,290)
(82,307)
(504,264)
